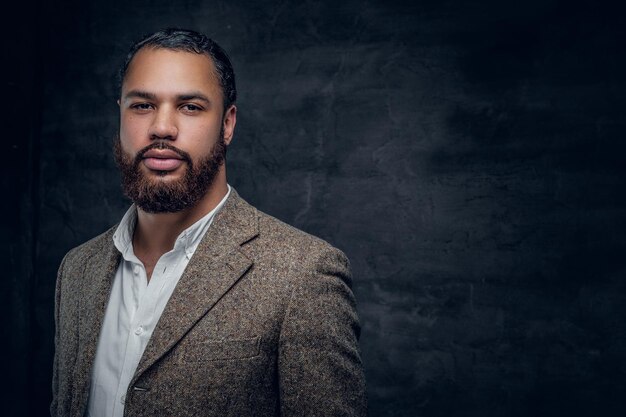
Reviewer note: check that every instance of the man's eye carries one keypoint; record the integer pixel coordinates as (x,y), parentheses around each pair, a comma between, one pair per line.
(191,108)
(142,106)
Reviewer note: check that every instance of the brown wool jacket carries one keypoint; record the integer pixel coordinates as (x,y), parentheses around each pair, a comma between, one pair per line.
(261,323)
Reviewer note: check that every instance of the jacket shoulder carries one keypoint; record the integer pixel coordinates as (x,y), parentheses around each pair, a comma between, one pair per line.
(295,246)
(94,246)
(281,232)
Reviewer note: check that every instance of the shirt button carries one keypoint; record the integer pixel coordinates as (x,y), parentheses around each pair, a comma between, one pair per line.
(139,331)
(123,399)
(136,270)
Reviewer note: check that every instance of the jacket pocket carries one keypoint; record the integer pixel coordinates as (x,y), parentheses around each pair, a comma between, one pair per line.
(214,350)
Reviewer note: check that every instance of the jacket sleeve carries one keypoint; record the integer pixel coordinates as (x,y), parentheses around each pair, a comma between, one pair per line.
(55,365)
(319,364)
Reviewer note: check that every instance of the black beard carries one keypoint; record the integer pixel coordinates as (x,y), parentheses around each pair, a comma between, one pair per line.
(154,196)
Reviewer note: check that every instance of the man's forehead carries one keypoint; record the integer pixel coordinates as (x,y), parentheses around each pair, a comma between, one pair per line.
(161,65)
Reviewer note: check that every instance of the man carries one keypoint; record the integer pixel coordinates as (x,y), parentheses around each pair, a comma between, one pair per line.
(197,304)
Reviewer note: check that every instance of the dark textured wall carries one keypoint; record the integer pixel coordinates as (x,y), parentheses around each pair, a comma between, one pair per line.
(467,156)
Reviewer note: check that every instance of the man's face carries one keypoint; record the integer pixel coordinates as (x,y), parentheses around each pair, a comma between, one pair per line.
(173,129)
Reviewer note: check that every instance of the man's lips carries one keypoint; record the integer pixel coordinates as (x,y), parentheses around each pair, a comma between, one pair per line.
(162,160)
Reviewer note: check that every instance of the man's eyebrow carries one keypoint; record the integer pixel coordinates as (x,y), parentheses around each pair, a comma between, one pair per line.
(193,95)
(140,94)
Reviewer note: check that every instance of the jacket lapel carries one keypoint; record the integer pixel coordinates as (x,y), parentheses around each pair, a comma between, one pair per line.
(215,267)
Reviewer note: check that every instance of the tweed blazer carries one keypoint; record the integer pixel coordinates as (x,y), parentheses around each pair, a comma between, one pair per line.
(261,323)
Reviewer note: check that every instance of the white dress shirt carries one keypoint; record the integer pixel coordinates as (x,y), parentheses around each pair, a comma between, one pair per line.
(133,310)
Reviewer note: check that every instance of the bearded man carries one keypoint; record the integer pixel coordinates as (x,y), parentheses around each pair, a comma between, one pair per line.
(196,303)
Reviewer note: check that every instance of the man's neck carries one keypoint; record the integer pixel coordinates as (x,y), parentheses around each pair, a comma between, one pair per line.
(156,233)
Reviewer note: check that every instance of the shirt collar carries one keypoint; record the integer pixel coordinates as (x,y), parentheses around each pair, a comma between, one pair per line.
(187,241)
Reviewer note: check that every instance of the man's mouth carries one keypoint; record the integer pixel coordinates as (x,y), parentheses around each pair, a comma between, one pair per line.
(162,160)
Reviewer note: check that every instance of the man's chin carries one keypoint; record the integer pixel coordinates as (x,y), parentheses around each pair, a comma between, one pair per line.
(159,196)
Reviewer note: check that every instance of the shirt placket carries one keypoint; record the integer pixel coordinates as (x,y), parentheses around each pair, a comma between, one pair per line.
(138,284)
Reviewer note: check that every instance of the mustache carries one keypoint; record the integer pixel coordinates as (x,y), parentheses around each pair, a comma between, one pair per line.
(162,145)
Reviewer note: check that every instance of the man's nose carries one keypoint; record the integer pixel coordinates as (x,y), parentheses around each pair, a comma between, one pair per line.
(164,125)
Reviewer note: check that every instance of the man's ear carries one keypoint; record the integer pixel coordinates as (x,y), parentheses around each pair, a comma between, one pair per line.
(118,102)
(229,121)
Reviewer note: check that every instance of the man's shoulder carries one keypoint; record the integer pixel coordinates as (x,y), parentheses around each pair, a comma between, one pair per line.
(277,236)
(290,244)
(293,257)
(279,231)
(93,247)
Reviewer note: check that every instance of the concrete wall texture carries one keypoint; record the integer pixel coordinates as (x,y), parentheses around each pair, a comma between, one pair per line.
(467,156)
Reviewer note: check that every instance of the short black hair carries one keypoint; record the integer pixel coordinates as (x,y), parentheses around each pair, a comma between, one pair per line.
(189,41)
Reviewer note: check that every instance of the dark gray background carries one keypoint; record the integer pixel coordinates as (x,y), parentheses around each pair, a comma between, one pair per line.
(467,156)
